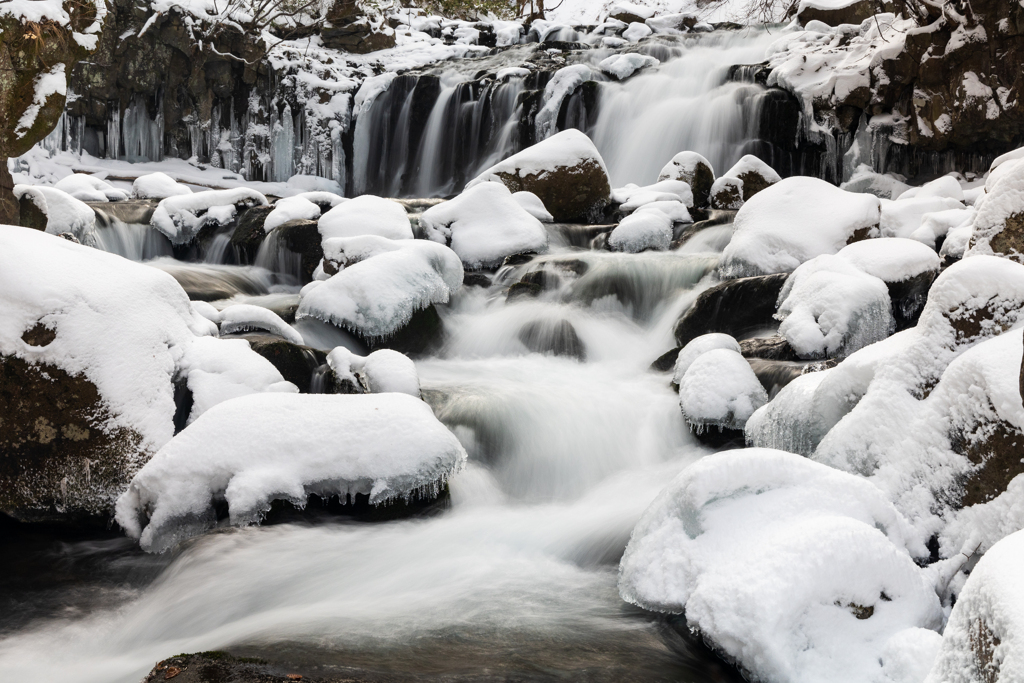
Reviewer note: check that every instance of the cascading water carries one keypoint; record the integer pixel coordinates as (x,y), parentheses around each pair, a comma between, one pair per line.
(516,579)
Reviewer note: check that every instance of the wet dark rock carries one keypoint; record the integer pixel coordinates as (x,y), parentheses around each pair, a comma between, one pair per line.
(295,362)
(303,237)
(518,259)
(523,290)
(776,374)
(61,453)
(908,298)
(220,667)
(736,307)
(30,215)
(580,234)
(769,348)
(472,279)
(349,29)
(666,361)
(715,217)
(558,338)
(249,233)
(545,279)
(571,194)
(719,437)
(138,211)
(422,334)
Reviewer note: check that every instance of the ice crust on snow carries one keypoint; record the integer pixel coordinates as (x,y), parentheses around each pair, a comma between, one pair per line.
(984,637)
(381,283)
(249,318)
(793,221)
(719,389)
(830,308)
(291,209)
(830,548)
(157,186)
(302,444)
(89,188)
(483,225)
(366,215)
(181,217)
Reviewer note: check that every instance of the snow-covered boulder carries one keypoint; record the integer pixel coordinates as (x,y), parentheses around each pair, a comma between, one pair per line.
(238,318)
(699,346)
(829,308)
(532,204)
(984,637)
(792,570)
(565,170)
(907,268)
(718,389)
(89,188)
(484,225)
(91,345)
(383,371)
(999,224)
(378,284)
(695,171)
(630,12)
(60,211)
(903,217)
(366,215)
(795,220)
(622,66)
(181,217)
(300,444)
(755,175)
(157,186)
(884,186)
(839,12)
(945,186)
(290,209)
(641,231)
(726,194)
(632,197)
(936,226)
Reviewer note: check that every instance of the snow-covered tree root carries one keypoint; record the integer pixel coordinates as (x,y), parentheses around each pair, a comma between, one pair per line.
(253,450)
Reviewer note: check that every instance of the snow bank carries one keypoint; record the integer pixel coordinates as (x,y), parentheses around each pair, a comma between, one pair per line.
(830,308)
(157,186)
(291,209)
(483,225)
(793,221)
(641,231)
(366,215)
(89,188)
(699,346)
(63,212)
(380,283)
(791,569)
(181,217)
(301,444)
(718,389)
(984,638)
(249,318)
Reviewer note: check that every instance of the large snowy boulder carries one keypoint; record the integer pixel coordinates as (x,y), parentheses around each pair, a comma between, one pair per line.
(984,637)
(566,171)
(830,308)
(640,231)
(377,284)
(793,221)
(290,209)
(182,217)
(790,569)
(999,224)
(695,171)
(59,211)
(484,225)
(384,447)
(91,346)
(366,215)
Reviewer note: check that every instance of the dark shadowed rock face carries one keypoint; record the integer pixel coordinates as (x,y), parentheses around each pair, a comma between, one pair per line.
(854,13)
(908,298)
(572,194)
(737,307)
(61,454)
(303,237)
(996,457)
(296,363)
(349,29)
(769,348)
(249,233)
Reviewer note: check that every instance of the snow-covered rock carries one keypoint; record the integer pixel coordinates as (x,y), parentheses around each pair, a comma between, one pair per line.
(378,284)
(181,217)
(755,175)
(249,318)
(89,188)
(157,186)
(532,204)
(483,225)
(984,637)
(383,371)
(96,342)
(944,186)
(641,231)
(999,224)
(829,308)
(623,66)
(301,444)
(63,212)
(695,171)
(699,346)
(718,389)
(907,267)
(792,570)
(901,218)
(632,197)
(884,186)
(565,170)
(366,215)
(726,194)
(793,221)
(291,209)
